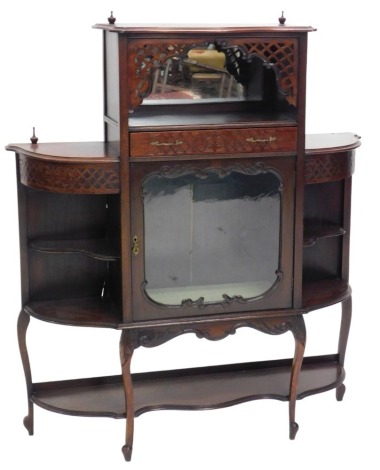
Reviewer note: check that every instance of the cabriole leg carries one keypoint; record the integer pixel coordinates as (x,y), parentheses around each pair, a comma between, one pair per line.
(126,353)
(343,338)
(22,326)
(299,333)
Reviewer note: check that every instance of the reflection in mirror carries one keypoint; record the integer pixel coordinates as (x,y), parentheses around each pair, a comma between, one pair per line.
(200,75)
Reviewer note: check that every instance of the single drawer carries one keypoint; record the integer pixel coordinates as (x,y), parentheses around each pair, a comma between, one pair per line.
(211,142)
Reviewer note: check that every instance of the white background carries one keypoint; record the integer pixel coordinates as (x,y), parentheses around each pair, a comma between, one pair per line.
(51,78)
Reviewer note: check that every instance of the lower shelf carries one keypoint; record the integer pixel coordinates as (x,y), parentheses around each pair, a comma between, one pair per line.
(189,389)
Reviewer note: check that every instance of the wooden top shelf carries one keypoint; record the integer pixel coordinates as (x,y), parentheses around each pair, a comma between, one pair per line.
(75,152)
(317,144)
(169,29)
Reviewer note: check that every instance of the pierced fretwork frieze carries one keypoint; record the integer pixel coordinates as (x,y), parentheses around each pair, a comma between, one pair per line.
(145,57)
(279,55)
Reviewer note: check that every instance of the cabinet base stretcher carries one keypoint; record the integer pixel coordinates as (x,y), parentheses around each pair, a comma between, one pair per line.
(201,388)
(130,395)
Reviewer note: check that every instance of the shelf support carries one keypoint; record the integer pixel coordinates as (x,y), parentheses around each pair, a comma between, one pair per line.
(343,338)
(126,352)
(299,332)
(22,326)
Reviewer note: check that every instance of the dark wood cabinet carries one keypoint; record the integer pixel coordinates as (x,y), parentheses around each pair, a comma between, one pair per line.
(206,209)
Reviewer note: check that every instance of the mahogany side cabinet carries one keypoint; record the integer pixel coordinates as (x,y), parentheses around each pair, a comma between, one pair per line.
(204,210)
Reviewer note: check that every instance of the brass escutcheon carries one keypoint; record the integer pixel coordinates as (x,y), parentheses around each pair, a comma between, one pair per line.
(135,247)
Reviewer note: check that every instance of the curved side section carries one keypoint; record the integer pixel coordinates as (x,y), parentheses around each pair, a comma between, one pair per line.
(70,177)
(323,168)
(320,294)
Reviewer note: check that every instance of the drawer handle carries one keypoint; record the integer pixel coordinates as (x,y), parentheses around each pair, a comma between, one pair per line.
(254,140)
(166,144)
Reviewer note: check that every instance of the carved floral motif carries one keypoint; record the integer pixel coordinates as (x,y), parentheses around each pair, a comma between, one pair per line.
(151,337)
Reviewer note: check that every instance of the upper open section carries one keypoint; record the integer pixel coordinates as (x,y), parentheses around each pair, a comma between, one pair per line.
(259,70)
(176,75)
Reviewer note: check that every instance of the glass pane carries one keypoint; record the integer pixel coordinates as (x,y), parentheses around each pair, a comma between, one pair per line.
(211,237)
(200,75)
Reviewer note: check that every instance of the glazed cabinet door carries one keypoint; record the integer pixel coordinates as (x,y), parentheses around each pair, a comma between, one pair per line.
(211,237)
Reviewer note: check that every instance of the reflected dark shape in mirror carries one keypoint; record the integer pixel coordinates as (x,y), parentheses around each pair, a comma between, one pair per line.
(205,74)
(200,75)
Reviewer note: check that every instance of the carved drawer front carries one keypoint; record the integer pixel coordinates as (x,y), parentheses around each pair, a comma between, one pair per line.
(210,142)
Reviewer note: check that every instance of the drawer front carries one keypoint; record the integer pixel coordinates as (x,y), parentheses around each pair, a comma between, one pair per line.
(211,142)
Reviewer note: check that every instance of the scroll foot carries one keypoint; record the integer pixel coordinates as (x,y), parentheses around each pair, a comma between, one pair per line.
(28,423)
(340,391)
(293,428)
(127,452)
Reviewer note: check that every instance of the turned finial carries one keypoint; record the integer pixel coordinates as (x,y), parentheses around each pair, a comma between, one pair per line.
(282,19)
(34,139)
(111,19)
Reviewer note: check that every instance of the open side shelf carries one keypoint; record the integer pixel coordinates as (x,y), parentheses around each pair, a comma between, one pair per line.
(315,230)
(189,389)
(319,294)
(100,249)
(96,311)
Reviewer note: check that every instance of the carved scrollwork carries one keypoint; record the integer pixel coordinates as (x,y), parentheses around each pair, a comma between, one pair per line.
(175,171)
(151,337)
(227,301)
(277,55)
(146,58)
